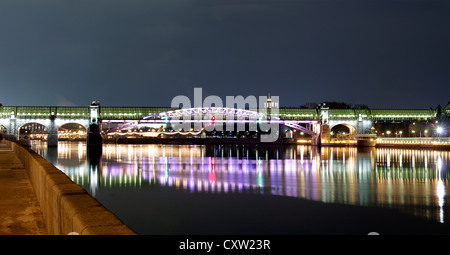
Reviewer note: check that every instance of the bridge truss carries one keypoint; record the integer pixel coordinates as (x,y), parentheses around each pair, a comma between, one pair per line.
(221,115)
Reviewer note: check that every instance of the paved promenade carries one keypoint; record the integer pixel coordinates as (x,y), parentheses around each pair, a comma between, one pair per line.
(20,213)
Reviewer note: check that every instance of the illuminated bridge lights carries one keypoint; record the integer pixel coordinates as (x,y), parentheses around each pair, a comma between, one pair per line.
(211,111)
(133,134)
(284,113)
(414,141)
(293,118)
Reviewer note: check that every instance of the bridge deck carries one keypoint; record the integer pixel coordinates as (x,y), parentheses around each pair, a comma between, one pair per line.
(20,213)
(137,113)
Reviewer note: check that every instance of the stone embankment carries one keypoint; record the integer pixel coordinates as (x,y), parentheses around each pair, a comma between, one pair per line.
(66,207)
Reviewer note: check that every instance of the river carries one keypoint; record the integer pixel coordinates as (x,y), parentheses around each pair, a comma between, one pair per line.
(255,189)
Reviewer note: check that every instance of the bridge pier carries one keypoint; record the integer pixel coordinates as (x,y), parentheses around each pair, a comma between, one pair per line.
(13,127)
(52,132)
(94,138)
(316,141)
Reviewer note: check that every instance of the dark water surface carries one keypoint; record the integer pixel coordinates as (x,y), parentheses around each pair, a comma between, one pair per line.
(252,189)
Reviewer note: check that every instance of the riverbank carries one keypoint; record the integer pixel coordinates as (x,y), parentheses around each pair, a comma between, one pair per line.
(424,145)
(39,199)
(20,213)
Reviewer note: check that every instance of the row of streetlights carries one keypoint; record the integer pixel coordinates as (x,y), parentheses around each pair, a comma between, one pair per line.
(439,130)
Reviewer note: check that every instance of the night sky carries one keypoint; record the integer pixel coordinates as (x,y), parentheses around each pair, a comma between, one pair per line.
(385,54)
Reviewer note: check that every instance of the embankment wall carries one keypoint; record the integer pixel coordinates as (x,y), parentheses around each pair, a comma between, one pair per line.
(66,206)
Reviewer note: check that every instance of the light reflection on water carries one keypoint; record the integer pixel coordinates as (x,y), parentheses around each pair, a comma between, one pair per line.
(414,181)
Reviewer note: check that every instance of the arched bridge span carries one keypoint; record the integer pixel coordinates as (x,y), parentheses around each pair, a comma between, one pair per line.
(223,115)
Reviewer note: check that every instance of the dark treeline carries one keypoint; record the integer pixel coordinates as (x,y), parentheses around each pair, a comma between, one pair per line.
(332,105)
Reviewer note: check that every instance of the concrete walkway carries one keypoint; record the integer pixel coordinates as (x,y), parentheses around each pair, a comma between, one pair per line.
(20,213)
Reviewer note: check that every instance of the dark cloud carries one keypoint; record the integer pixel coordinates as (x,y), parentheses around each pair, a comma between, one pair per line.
(143,53)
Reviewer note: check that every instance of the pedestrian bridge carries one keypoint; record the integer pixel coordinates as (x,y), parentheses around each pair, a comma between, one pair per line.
(137,113)
(221,119)
(12,118)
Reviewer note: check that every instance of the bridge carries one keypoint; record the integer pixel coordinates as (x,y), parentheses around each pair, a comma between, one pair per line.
(313,122)
(224,119)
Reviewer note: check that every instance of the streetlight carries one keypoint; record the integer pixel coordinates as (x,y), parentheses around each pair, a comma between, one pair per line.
(439,130)
(388,132)
(401,132)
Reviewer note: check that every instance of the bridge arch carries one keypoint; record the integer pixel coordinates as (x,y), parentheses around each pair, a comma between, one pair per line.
(207,119)
(351,128)
(201,114)
(72,131)
(23,122)
(47,125)
(212,111)
(26,130)
(61,122)
(72,125)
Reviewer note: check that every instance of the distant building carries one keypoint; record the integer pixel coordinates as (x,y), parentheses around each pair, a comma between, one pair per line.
(269,104)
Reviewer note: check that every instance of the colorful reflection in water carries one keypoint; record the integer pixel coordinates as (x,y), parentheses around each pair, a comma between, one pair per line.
(414,181)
